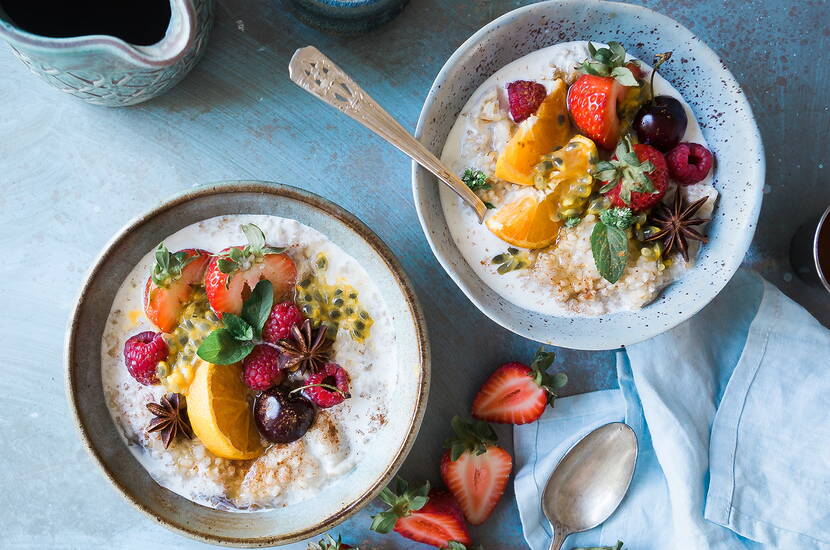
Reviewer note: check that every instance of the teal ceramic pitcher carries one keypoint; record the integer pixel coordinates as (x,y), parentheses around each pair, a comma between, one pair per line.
(108,52)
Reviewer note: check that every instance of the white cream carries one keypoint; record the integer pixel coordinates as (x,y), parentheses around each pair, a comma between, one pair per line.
(483,126)
(286,474)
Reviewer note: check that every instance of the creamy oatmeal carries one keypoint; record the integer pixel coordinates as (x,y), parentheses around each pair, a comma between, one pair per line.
(359,338)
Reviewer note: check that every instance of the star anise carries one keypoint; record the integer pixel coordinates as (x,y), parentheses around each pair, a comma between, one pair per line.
(307,348)
(675,223)
(170,418)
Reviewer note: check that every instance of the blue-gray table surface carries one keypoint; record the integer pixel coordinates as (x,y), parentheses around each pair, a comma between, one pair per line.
(72,174)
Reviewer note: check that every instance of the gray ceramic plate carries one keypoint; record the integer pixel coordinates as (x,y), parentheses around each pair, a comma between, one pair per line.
(83,344)
(717,101)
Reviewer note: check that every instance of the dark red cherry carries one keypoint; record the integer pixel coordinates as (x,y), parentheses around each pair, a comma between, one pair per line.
(661,123)
(282,417)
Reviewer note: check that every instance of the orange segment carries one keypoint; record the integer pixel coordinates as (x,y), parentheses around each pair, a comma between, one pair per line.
(220,414)
(526,222)
(548,129)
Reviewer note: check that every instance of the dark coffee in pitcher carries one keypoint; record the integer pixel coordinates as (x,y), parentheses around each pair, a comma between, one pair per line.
(139,22)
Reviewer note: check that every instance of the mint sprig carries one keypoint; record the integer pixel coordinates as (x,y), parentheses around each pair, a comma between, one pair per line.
(240,334)
(617,546)
(475,179)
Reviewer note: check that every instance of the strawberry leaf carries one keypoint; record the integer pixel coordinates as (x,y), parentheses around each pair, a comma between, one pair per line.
(401,502)
(471,437)
(226,265)
(539,372)
(255,236)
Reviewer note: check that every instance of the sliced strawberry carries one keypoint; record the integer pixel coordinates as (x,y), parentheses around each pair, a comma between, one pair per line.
(234,272)
(423,515)
(636,177)
(592,102)
(516,393)
(475,470)
(170,285)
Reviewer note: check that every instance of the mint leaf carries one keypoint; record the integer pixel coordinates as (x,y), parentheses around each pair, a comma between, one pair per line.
(221,348)
(609,246)
(476,180)
(257,307)
(238,327)
(255,236)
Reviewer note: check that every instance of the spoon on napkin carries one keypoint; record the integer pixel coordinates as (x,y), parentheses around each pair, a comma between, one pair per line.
(590,481)
(318,75)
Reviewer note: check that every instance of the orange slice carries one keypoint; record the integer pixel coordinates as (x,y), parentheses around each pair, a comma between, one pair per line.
(526,222)
(220,414)
(548,129)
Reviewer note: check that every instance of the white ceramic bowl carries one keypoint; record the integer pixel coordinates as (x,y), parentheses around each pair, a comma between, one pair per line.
(706,84)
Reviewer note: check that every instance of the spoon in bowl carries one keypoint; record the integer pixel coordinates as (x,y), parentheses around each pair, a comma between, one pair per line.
(318,75)
(590,481)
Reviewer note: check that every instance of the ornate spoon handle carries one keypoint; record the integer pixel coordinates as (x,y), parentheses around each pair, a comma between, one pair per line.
(318,75)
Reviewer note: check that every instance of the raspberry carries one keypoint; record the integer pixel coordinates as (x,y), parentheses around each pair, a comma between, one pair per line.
(278,326)
(689,163)
(524,97)
(333,376)
(261,368)
(142,353)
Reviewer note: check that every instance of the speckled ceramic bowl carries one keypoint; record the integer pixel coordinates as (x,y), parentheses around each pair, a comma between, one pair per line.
(98,432)
(707,85)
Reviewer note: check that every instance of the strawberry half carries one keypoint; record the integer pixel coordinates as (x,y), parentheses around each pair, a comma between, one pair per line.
(169,287)
(636,177)
(593,99)
(475,469)
(233,273)
(423,515)
(518,394)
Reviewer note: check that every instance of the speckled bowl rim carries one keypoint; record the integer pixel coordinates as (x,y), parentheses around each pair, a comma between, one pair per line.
(418,174)
(351,221)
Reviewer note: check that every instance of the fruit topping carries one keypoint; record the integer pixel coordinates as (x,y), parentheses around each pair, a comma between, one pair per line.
(661,121)
(475,469)
(675,224)
(329,543)
(168,289)
(170,418)
(526,222)
(524,97)
(430,516)
(518,394)
(511,260)
(689,163)
(327,387)
(545,132)
(476,180)
(220,413)
(283,417)
(307,349)
(234,272)
(567,173)
(636,177)
(610,62)
(283,316)
(261,368)
(142,353)
(609,242)
(334,306)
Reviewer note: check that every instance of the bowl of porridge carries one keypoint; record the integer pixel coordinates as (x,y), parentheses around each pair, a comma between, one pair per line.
(233,360)
(619,161)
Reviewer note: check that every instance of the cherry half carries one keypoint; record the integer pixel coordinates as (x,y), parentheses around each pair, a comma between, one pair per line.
(282,417)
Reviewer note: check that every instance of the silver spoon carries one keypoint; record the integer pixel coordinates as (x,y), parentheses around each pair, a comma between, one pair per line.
(590,481)
(318,75)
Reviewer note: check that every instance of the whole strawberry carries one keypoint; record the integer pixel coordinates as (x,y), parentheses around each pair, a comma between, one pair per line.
(636,177)
(518,394)
(430,516)
(261,368)
(142,353)
(283,316)
(593,99)
(475,469)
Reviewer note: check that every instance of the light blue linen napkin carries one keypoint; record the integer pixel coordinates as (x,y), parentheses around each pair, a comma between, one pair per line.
(731,413)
